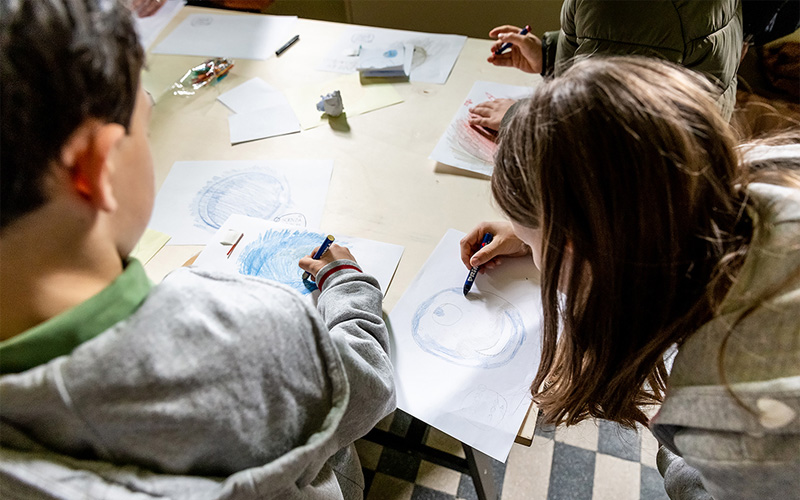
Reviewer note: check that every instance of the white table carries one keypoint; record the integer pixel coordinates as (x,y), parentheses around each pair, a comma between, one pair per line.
(383,186)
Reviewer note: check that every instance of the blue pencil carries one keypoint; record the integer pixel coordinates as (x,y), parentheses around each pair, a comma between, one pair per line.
(322,249)
(487,238)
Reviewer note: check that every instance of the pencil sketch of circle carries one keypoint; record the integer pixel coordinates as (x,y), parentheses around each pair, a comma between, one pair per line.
(482,330)
(202,21)
(253,192)
(484,406)
(362,37)
(447,314)
(421,53)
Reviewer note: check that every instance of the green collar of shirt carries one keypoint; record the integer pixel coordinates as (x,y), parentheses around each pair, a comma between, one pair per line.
(61,334)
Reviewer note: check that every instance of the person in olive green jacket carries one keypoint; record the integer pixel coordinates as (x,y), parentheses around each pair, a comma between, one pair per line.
(703,36)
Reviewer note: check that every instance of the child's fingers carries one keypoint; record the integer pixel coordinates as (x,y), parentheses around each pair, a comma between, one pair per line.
(484,255)
(338,252)
(309,265)
(504,59)
(470,243)
(514,39)
(335,252)
(506,28)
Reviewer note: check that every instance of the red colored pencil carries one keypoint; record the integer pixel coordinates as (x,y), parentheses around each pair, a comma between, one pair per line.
(234,245)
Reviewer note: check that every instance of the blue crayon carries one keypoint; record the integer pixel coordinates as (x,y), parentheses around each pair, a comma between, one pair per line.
(487,238)
(322,249)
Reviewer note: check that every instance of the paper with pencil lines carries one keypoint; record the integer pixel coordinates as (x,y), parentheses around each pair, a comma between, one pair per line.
(464,364)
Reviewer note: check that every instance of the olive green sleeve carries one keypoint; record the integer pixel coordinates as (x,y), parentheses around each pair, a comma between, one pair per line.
(549,46)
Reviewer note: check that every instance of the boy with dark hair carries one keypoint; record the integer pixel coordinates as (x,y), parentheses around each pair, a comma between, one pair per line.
(204,386)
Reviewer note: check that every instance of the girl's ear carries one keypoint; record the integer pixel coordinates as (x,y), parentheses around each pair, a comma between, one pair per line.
(86,155)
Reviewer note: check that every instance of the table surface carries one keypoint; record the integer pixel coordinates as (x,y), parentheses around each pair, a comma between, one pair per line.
(383,187)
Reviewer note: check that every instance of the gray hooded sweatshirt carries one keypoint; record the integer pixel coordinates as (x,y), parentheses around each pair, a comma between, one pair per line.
(216,387)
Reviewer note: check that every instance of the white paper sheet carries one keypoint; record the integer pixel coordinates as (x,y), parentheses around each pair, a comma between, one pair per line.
(262,123)
(197,197)
(261,111)
(468,147)
(357,98)
(434,54)
(253,94)
(271,250)
(464,364)
(251,36)
(148,28)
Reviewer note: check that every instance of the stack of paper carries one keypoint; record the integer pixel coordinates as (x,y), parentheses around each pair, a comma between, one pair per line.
(434,54)
(386,61)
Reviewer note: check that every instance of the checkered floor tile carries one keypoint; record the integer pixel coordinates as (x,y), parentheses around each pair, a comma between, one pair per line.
(595,460)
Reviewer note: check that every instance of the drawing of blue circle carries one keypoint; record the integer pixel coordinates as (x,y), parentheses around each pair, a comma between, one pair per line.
(275,254)
(390,53)
(255,193)
(459,330)
(447,314)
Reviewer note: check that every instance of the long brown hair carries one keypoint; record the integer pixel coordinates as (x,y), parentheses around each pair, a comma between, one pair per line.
(634,178)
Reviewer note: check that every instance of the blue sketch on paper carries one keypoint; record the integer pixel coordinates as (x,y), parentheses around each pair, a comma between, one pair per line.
(255,192)
(274,255)
(481,330)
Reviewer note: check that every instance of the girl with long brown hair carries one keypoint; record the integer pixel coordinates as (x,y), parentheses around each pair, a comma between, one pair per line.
(653,228)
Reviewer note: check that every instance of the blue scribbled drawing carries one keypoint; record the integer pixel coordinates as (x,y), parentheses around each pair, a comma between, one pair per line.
(274,255)
(458,329)
(255,192)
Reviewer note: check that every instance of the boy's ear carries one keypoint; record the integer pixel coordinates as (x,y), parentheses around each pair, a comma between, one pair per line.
(86,154)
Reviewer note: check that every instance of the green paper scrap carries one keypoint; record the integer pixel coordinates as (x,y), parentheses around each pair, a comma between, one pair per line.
(357,98)
(150,243)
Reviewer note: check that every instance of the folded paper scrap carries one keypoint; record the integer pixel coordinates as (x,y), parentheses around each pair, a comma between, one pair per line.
(331,104)
(386,61)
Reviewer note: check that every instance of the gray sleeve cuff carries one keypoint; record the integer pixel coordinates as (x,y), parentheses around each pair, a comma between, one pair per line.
(335,268)
(681,481)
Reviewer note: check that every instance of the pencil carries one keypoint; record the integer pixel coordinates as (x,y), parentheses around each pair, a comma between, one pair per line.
(287,45)
(230,251)
(320,252)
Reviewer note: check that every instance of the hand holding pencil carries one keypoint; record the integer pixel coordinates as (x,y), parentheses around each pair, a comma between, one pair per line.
(526,49)
(504,243)
(335,252)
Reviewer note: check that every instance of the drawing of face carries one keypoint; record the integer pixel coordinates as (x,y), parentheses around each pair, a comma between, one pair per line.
(484,405)
(480,330)
(256,192)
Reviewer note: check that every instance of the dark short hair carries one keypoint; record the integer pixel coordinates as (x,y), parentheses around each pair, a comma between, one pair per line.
(61,62)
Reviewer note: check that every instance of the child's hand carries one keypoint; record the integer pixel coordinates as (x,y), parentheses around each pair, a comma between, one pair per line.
(146,8)
(335,252)
(489,114)
(504,244)
(525,53)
